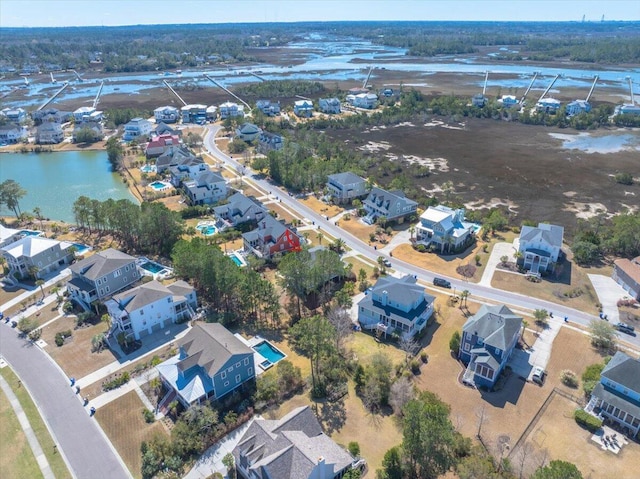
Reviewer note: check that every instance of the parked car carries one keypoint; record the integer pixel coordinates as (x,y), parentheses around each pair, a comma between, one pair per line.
(441,282)
(625,328)
(386,262)
(538,375)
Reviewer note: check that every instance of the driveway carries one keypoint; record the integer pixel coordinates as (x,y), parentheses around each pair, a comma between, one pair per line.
(499,250)
(609,292)
(87,449)
(522,362)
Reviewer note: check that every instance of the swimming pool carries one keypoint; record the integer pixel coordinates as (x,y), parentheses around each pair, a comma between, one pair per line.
(236,260)
(30,233)
(148,169)
(207,228)
(81,248)
(269,352)
(159,185)
(152,267)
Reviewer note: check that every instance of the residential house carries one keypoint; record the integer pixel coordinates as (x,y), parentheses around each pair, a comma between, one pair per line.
(14,115)
(11,134)
(150,307)
(540,246)
(578,106)
(364,100)
(230,110)
(387,92)
(36,254)
(49,133)
(345,187)
(161,144)
(194,114)
(87,114)
(166,114)
(212,113)
(8,235)
(136,129)
(51,114)
(396,305)
(479,100)
(206,188)
(93,126)
(548,105)
(101,275)
(269,142)
(445,228)
(164,129)
(248,132)
(616,398)
(176,155)
(508,101)
(303,108)
(187,171)
(393,205)
(211,362)
(237,210)
(268,107)
(627,109)
(269,238)
(293,447)
(627,274)
(488,339)
(329,105)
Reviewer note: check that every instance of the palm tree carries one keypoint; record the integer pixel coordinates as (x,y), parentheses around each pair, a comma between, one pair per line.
(465,294)
(40,283)
(412,230)
(338,245)
(38,214)
(319,235)
(33,272)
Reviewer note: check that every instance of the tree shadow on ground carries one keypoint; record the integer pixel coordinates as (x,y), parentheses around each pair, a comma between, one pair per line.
(332,415)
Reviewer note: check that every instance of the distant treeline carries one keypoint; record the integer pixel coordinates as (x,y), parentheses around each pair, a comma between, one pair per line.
(280,88)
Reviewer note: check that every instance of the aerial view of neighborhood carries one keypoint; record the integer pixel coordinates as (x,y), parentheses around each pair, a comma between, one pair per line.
(328,246)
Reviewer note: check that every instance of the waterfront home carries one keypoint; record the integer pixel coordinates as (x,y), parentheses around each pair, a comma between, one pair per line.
(578,106)
(238,210)
(488,339)
(248,132)
(87,114)
(269,238)
(150,307)
(229,109)
(548,105)
(194,113)
(367,101)
(208,187)
(627,274)
(92,126)
(345,187)
(212,113)
(14,115)
(101,275)
(269,142)
(36,256)
(303,108)
(396,305)
(508,101)
(627,109)
(211,362)
(176,155)
(329,105)
(50,114)
(11,134)
(479,100)
(166,114)
(293,447)
(540,246)
(49,133)
(189,170)
(137,129)
(393,205)
(8,235)
(161,144)
(268,107)
(164,129)
(444,227)
(616,398)
(387,92)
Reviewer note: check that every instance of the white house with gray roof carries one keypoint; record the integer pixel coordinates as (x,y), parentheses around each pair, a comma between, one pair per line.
(540,246)
(616,398)
(488,339)
(36,254)
(293,447)
(207,188)
(211,362)
(345,187)
(329,105)
(150,307)
(393,205)
(237,210)
(396,304)
(101,275)
(444,228)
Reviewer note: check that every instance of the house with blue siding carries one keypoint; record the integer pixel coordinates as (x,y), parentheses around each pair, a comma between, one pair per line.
(393,205)
(211,363)
(444,227)
(488,339)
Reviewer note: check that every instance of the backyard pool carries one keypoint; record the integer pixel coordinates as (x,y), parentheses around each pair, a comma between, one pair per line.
(148,168)
(207,228)
(81,248)
(30,233)
(237,259)
(269,352)
(152,267)
(159,185)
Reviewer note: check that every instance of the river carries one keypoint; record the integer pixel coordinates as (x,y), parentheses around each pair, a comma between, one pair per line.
(53,181)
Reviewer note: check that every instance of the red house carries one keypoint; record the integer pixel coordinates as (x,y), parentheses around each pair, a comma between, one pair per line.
(158,145)
(269,238)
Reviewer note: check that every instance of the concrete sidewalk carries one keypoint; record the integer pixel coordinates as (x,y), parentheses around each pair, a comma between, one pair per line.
(30,292)
(43,464)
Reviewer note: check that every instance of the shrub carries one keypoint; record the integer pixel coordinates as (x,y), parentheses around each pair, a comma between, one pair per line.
(569,378)
(624,178)
(586,420)
(149,417)
(415,366)
(424,356)
(61,336)
(35,334)
(116,382)
(454,342)
(354,448)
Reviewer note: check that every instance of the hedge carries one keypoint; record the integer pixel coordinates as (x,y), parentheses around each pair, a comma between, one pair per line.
(585,419)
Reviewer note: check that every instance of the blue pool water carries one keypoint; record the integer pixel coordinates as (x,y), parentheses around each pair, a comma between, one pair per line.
(148,169)
(157,185)
(236,260)
(268,351)
(80,248)
(30,233)
(207,230)
(152,267)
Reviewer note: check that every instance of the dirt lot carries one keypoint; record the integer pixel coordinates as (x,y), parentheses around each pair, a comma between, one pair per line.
(321,208)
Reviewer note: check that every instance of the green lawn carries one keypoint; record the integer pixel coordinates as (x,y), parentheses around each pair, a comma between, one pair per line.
(56,462)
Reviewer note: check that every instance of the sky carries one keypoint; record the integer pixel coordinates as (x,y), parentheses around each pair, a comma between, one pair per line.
(62,13)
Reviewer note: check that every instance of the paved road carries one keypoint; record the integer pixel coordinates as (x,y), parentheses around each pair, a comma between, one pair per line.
(86,448)
(476,290)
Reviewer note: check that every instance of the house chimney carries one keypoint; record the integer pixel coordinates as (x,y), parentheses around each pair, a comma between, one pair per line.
(321,468)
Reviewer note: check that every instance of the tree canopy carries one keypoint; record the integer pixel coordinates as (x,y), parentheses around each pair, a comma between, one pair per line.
(10,195)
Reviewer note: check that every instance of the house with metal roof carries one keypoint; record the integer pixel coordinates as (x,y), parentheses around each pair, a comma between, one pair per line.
(237,210)
(151,307)
(488,339)
(540,246)
(393,205)
(293,447)
(627,274)
(101,275)
(8,235)
(345,187)
(137,129)
(211,362)
(444,227)
(398,305)
(616,398)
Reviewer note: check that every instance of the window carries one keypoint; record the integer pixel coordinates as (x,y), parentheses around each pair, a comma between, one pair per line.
(117,273)
(246,362)
(237,378)
(226,383)
(126,268)
(230,369)
(250,371)
(124,279)
(238,364)
(108,289)
(223,374)
(467,347)
(142,311)
(101,291)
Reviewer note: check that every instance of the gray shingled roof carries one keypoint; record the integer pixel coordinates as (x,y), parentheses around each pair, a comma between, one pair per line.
(101,263)
(624,370)
(403,290)
(210,345)
(346,178)
(550,234)
(142,295)
(388,200)
(238,205)
(496,325)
